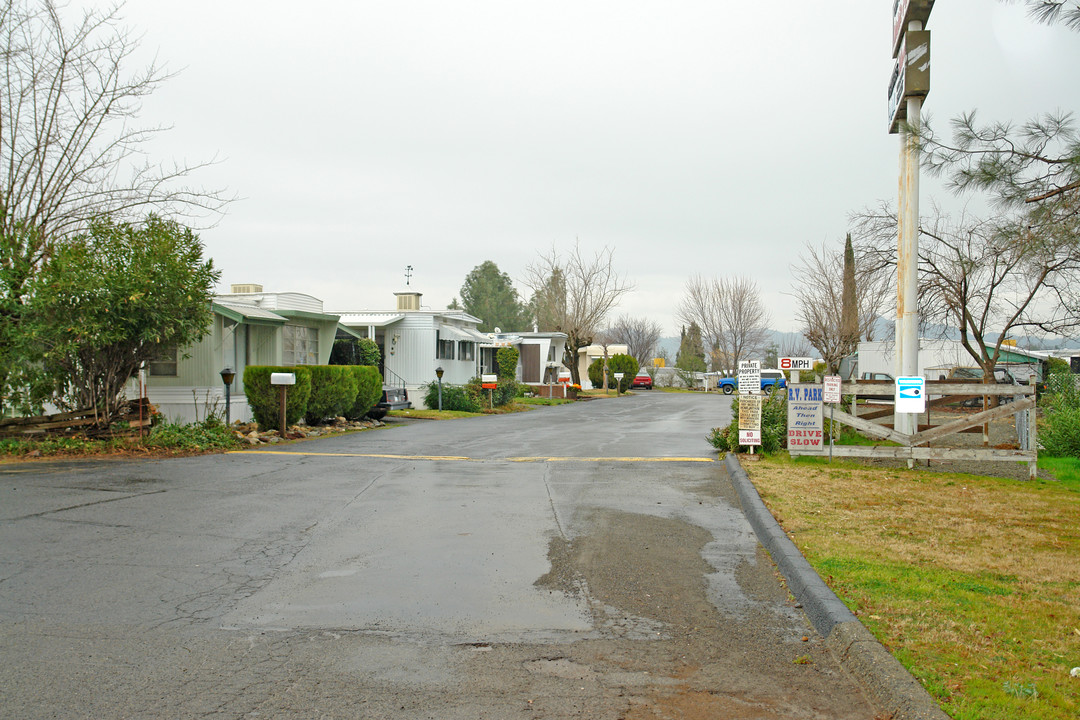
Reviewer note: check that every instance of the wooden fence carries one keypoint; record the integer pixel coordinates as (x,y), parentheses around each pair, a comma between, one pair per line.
(920,445)
(135,413)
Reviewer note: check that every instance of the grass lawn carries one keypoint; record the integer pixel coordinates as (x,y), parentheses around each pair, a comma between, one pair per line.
(973,583)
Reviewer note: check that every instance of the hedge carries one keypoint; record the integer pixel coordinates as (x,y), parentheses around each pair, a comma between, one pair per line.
(368,390)
(333,392)
(265,400)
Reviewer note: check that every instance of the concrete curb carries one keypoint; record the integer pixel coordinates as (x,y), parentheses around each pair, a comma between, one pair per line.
(889,685)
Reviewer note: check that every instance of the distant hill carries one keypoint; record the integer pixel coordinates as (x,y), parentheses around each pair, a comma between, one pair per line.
(793,341)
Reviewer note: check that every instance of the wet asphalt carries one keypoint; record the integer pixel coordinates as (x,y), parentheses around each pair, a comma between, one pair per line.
(588,561)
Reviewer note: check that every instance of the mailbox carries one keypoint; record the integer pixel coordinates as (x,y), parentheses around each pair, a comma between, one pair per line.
(282,378)
(489,382)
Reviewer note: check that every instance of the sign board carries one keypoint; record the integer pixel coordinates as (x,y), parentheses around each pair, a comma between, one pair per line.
(796,363)
(831,390)
(750,437)
(489,382)
(804,425)
(910,76)
(749,377)
(904,13)
(750,412)
(910,394)
(282,378)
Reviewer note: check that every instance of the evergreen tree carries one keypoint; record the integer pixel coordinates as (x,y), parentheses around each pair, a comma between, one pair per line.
(489,295)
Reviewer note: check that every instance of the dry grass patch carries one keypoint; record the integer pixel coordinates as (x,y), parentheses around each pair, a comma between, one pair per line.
(972,582)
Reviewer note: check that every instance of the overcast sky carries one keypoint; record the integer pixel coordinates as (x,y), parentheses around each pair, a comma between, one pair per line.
(710,136)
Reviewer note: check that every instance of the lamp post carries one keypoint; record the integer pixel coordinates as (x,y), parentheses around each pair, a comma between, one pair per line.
(439,374)
(227,377)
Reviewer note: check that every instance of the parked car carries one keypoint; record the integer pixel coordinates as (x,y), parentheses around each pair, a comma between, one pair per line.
(880,377)
(1001,377)
(642,380)
(770,380)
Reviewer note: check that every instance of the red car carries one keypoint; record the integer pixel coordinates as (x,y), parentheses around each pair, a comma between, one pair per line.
(642,380)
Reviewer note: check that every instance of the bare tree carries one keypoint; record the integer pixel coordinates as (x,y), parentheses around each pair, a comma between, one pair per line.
(574,294)
(640,336)
(69,149)
(988,278)
(819,297)
(731,315)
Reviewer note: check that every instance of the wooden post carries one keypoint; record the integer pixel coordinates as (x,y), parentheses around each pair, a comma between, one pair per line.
(283,390)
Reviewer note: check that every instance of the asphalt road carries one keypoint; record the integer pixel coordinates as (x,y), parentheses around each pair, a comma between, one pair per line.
(583,561)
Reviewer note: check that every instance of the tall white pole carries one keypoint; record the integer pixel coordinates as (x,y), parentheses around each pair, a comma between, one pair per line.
(907,261)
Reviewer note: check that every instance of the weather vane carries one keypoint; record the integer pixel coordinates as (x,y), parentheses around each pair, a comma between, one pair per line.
(408,274)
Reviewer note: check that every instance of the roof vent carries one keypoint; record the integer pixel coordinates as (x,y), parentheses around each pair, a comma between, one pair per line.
(246,289)
(408,300)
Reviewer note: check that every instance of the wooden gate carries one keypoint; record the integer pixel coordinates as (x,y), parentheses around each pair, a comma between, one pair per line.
(919,445)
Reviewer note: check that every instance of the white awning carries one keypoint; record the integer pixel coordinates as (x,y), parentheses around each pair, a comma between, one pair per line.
(449,332)
(369,319)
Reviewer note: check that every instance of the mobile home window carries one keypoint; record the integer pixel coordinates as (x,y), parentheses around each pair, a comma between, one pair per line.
(300,345)
(164,365)
(466,350)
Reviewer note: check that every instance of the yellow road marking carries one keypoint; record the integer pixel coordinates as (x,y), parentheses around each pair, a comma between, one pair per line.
(469,459)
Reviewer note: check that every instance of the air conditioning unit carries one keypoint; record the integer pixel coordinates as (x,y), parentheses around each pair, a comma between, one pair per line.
(246,289)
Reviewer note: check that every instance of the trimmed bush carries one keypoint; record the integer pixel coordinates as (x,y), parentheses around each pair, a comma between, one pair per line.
(333,392)
(461,398)
(264,398)
(368,390)
(506,358)
(626,364)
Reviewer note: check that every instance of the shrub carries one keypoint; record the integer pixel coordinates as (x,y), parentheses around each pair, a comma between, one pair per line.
(1059,435)
(773,426)
(506,360)
(626,364)
(197,437)
(333,392)
(264,398)
(368,390)
(454,397)
(355,351)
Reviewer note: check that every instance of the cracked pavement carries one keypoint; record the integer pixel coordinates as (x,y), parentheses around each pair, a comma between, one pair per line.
(318,580)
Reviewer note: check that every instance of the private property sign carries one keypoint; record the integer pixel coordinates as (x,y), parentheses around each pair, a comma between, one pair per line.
(749,377)
(804,426)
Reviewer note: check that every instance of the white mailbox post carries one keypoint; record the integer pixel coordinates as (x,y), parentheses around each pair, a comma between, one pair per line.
(283,381)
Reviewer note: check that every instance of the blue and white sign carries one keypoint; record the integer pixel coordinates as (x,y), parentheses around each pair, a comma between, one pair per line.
(910,394)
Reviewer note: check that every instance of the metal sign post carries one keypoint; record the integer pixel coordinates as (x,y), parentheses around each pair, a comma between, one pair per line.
(830,393)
